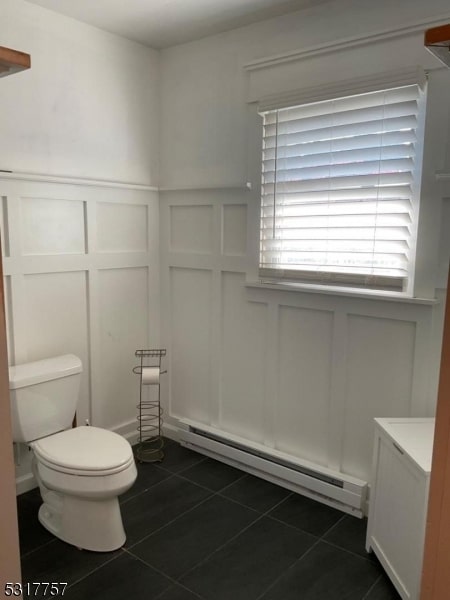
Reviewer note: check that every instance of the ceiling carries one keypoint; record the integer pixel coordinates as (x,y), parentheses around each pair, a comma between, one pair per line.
(163,23)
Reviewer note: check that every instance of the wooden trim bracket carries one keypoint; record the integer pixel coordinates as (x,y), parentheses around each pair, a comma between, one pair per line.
(13,61)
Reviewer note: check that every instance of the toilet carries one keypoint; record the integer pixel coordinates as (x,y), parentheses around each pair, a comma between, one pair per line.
(81,471)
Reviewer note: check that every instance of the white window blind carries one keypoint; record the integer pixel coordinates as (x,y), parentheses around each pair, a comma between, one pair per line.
(338,186)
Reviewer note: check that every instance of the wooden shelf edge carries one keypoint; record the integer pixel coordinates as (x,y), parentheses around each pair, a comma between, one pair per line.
(437,41)
(13,61)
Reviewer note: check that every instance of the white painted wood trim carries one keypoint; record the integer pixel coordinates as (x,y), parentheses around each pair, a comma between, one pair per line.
(347,87)
(271,370)
(215,401)
(345,43)
(340,291)
(208,187)
(86,182)
(420,380)
(338,389)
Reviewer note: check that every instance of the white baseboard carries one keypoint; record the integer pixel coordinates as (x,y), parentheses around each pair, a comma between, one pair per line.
(171,431)
(25,483)
(128,430)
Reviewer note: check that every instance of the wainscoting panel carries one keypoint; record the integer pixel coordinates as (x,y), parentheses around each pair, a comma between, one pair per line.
(190,356)
(52,226)
(303,373)
(8,312)
(303,381)
(123,328)
(81,265)
(49,299)
(380,362)
(234,229)
(243,350)
(191,229)
(122,227)
(4,225)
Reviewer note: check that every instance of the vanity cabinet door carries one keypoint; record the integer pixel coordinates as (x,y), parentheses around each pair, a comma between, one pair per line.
(396,526)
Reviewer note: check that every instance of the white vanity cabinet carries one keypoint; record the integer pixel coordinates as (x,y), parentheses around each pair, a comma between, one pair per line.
(398,499)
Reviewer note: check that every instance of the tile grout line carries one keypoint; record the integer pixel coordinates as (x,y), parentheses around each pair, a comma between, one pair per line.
(184,478)
(172,475)
(319,540)
(96,569)
(332,527)
(141,560)
(220,492)
(244,474)
(212,494)
(295,527)
(198,462)
(348,551)
(165,575)
(146,490)
(40,547)
(170,522)
(261,596)
(366,595)
(206,558)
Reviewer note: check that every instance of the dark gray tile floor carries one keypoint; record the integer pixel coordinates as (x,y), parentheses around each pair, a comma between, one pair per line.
(199,529)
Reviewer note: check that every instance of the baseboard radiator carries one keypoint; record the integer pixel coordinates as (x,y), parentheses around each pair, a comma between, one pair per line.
(324,485)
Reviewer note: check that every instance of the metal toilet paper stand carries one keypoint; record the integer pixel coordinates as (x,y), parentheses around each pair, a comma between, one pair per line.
(151,442)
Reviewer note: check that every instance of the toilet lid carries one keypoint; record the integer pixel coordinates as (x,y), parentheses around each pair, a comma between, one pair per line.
(85,449)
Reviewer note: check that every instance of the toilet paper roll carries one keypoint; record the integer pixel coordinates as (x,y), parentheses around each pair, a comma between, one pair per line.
(150,375)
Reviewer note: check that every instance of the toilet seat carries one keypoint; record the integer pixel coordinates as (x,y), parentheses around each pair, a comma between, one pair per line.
(84,451)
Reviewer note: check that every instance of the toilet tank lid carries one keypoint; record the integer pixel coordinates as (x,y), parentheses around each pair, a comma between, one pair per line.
(43,370)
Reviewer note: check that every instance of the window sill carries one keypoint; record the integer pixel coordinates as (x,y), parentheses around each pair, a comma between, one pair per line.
(307,288)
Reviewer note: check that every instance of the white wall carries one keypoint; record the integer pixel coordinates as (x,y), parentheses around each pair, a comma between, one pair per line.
(88,107)
(81,261)
(303,373)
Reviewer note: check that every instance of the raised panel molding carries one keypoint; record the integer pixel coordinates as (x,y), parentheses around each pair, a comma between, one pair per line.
(304,373)
(121,227)
(243,354)
(123,328)
(49,299)
(303,382)
(4,226)
(190,343)
(379,375)
(52,226)
(234,229)
(78,255)
(191,229)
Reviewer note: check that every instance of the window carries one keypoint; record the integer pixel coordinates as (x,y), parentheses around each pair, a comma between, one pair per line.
(340,184)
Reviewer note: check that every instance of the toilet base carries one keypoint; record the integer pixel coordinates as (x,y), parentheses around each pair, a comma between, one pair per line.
(87,524)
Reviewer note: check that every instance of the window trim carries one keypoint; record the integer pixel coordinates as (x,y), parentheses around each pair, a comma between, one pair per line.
(342,291)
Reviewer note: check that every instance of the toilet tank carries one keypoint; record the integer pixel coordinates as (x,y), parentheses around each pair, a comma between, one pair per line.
(44,396)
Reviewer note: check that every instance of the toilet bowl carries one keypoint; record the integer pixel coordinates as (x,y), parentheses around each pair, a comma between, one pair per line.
(80,471)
